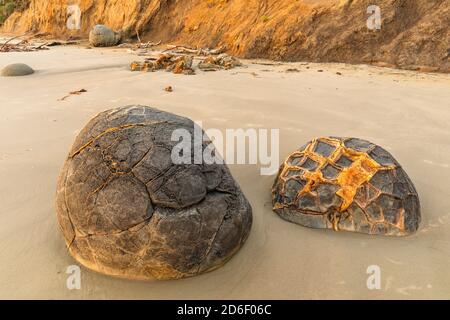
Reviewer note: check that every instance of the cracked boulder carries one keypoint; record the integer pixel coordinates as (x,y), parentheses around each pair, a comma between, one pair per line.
(125,209)
(346,184)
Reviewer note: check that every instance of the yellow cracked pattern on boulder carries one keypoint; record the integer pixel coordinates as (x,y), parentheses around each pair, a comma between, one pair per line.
(112,130)
(362,169)
(359,170)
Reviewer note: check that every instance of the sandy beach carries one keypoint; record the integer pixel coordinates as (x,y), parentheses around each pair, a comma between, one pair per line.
(406,112)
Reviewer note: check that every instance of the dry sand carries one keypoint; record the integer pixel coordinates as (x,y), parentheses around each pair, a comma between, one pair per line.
(406,112)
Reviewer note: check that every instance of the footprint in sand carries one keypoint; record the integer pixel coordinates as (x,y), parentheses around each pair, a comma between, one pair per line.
(442,165)
(406,290)
(436,223)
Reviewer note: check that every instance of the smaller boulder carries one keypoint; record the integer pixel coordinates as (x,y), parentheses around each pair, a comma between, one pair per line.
(16,70)
(102,36)
(347,184)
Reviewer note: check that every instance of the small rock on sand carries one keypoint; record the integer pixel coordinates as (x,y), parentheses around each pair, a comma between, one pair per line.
(16,70)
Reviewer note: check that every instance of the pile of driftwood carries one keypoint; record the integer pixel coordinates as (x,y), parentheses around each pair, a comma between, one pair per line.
(148,48)
(183,64)
(168,62)
(140,46)
(220,62)
(21,46)
(179,59)
(26,45)
(197,52)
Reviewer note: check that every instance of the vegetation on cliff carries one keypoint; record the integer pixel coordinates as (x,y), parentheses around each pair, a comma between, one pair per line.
(7,7)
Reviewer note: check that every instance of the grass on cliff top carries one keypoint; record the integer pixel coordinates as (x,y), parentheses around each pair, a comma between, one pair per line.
(7,7)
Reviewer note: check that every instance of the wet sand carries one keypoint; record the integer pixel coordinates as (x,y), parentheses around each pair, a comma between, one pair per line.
(406,112)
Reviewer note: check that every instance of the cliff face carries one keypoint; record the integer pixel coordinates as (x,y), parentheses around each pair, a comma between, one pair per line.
(414,33)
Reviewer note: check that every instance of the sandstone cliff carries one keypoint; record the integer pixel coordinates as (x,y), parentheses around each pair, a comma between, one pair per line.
(414,33)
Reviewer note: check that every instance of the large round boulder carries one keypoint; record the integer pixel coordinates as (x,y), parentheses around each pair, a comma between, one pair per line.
(127,209)
(102,36)
(16,70)
(346,184)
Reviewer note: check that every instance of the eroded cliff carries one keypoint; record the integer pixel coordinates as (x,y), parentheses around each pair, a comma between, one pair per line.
(413,33)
